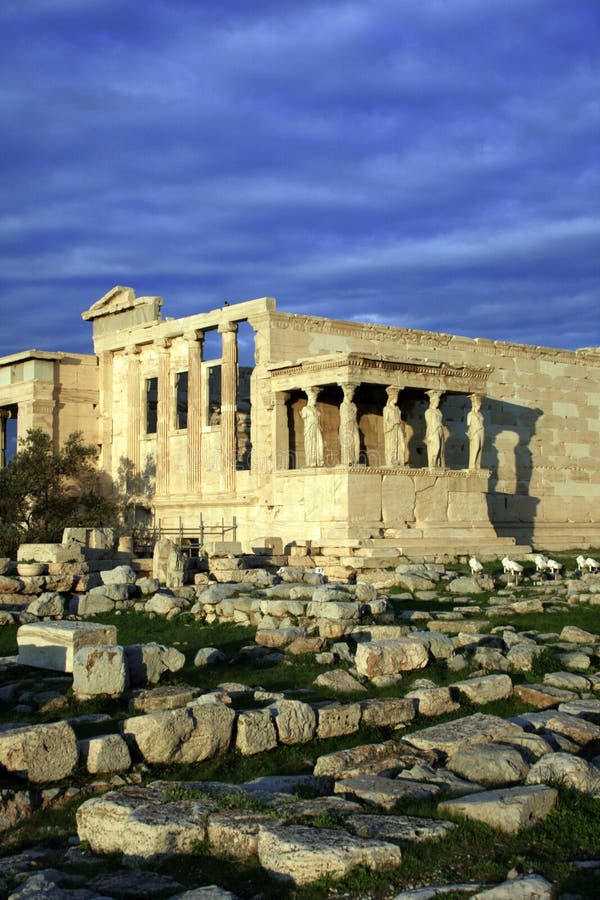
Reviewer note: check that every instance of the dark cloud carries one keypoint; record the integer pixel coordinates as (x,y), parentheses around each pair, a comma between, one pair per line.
(427,165)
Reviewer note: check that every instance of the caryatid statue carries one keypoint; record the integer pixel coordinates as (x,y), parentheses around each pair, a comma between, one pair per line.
(314,450)
(475,432)
(434,431)
(394,436)
(348,433)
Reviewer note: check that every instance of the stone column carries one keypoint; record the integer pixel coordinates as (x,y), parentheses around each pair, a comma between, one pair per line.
(133,410)
(195,342)
(163,419)
(281,431)
(229,359)
(106,411)
(4,416)
(435,437)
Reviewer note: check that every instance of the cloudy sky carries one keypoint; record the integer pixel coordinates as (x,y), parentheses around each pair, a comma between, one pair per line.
(425,163)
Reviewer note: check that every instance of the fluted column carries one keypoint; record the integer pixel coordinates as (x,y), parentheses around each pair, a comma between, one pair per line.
(194,414)
(281,431)
(163,418)
(133,410)
(106,418)
(229,359)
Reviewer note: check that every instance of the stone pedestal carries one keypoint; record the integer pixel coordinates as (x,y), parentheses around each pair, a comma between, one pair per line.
(53,645)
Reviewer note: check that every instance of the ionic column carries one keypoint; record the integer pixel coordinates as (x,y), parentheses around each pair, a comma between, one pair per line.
(4,416)
(194,415)
(163,419)
(106,422)
(434,435)
(133,409)
(281,431)
(229,360)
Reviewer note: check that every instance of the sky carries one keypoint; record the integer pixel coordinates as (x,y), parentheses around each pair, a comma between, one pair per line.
(430,164)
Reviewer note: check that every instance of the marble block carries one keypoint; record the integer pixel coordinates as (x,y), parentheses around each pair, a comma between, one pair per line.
(52,645)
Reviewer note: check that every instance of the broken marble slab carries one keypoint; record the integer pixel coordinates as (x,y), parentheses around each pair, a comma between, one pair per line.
(506,809)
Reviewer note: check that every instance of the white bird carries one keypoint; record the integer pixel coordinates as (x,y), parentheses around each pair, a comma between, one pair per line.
(512,568)
(592,565)
(541,563)
(475,565)
(581,562)
(554,567)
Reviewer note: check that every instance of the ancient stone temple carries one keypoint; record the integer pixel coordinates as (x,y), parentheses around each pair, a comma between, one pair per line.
(345,434)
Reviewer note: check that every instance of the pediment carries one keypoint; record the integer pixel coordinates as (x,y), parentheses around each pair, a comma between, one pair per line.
(116,300)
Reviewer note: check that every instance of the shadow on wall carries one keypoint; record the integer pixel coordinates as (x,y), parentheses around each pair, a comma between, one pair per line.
(507,455)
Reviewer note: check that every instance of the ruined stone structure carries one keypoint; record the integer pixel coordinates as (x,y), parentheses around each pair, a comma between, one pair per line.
(491,443)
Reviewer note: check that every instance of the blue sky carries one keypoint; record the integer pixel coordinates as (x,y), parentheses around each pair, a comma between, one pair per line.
(430,164)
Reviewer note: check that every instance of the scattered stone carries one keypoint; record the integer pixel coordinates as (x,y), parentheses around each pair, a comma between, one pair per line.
(181,735)
(53,645)
(564,769)
(400,829)
(302,854)
(525,887)
(295,721)
(336,719)
(340,682)
(485,689)
(209,656)
(118,575)
(388,657)
(107,753)
(507,809)
(489,764)
(39,752)
(255,732)
(100,671)
(384,792)
(451,736)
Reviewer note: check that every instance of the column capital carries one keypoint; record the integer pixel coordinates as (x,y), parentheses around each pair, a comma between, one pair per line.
(227,328)
(194,337)
(133,350)
(163,344)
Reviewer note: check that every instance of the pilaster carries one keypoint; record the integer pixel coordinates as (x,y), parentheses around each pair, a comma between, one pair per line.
(133,409)
(163,417)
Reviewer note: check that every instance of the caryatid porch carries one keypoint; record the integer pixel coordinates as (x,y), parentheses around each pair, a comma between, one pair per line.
(381,444)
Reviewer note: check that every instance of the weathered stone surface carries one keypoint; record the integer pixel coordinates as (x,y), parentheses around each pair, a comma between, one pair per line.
(507,809)
(469,584)
(278,638)
(456,626)
(401,829)
(164,604)
(255,732)
(340,682)
(489,764)
(90,605)
(366,758)
(39,752)
(118,575)
(49,603)
(10,585)
(564,769)
(432,701)
(182,735)
(235,832)
(296,722)
(525,887)
(105,753)
(100,670)
(575,635)
(588,708)
(388,657)
(386,712)
(384,792)
(209,656)
(168,696)
(303,854)
(486,688)
(148,662)
(303,645)
(450,737)
(567,681)
(542,696)
(52,645)
(136,822)
(446,780)
(573,727)
(336,719)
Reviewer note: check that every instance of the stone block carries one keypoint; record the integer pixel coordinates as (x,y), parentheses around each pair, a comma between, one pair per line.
(100,670)
(255,732)
(53,645)
(507,809)
(388,657)
(198,732)
(105,754)
(118,575)
(295,722)
(336,719)
(39,753)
